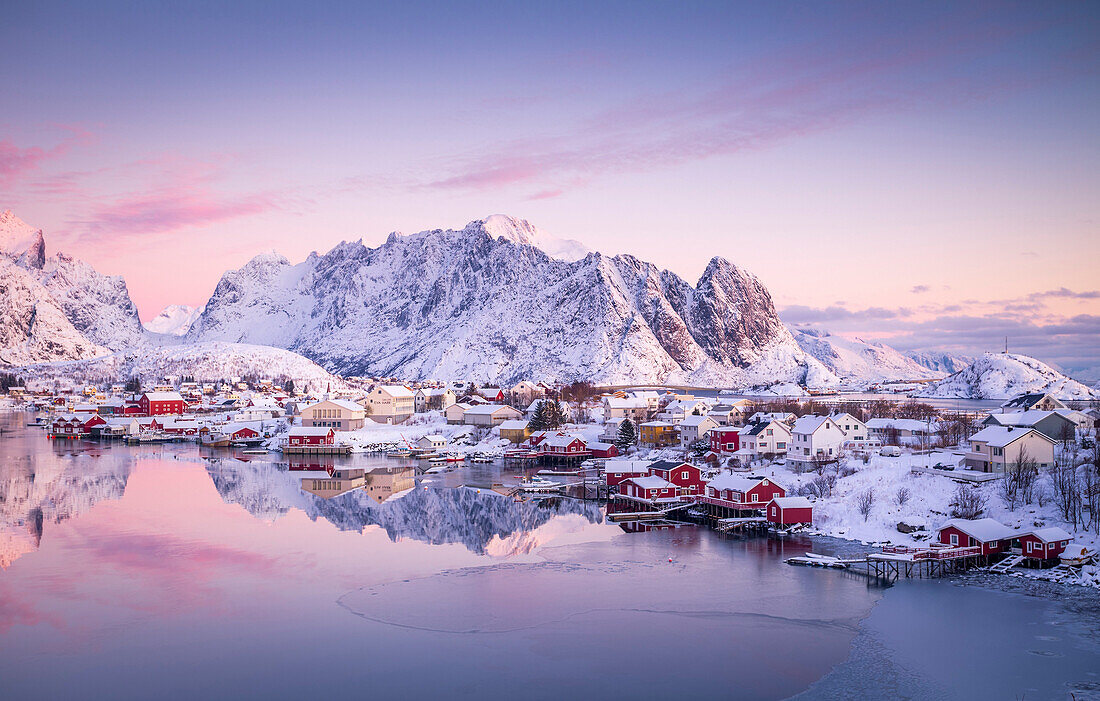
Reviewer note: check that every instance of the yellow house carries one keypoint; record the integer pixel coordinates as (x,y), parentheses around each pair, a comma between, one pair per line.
(515,430)
(657,434)
(390,404)
(339,414)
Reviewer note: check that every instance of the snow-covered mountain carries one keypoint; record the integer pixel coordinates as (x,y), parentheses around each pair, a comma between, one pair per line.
(96,312)
(856,360)
(1006,375)
(945,363)
(482,302)
(174,320)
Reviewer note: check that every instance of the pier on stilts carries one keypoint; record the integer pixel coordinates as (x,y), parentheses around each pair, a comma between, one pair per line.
(897,561)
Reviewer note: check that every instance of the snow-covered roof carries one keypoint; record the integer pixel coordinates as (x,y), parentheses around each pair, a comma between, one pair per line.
(487,409)
(695,420)
(809,424)
(618,467)
(342,403)
(650,482)
(164,396)
(619,403)
(513,425)
(396,390)
(297,430)
(899,424)
(1026,418)
(985,530)
(1000,436)
(736,483)
(560,440)
(792,502)
(1050,534)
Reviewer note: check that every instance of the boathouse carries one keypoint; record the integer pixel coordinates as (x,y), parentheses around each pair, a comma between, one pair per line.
(654,490)
(161,403)
(788,511)
(687,478)
(311,435)
(617,471)
(991,535)
(736,492)
(1044,543)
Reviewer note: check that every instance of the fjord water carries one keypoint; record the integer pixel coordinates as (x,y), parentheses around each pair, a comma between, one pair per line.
(173,572)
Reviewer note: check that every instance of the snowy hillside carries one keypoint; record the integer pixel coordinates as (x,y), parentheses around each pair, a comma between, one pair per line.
(174,320)
(483,303)
(203,361)
(944,363)
(1006,375)
(855,360)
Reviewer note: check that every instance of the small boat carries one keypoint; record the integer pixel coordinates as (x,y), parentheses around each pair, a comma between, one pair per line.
(454,457)
(1076,555)
(481,458)
(539,484)
(813,560)
(398,454)
(435,459)
(564,473)
(254,451)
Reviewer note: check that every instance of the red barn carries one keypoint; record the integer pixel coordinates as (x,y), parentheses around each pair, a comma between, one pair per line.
(993,536)
(1044,543)
(725,439)
(563,445)
(161,403)
(687,478)
(311,436)
(649,488)
(790,510)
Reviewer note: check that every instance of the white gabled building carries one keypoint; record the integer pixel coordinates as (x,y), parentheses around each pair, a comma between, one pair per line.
(764,438)
(694,428)
(391,404)
(813,436)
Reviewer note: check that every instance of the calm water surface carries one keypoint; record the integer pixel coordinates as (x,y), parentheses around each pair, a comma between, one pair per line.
(171,572)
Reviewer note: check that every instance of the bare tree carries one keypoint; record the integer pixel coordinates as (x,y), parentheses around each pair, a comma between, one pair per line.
(967,502)
(1018,483)
(902,496)
(821,486)
(865,502)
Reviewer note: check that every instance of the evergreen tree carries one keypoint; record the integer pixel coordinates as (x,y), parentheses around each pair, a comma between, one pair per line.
(538,422)
(555,415)
(133,385)
(289,387)
(627,435)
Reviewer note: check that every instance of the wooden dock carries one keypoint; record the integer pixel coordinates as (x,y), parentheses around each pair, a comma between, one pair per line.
(315,449)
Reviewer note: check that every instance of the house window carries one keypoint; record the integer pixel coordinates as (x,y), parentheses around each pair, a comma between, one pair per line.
(954,539)
(756,497)
(1030,546)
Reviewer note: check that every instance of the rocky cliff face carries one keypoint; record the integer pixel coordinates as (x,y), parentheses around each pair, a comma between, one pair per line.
(57,307)
(482,303)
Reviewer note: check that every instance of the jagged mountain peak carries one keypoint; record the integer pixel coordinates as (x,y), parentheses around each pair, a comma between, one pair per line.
(486,302)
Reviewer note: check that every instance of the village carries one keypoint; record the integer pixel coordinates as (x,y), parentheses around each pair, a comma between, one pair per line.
(936,490)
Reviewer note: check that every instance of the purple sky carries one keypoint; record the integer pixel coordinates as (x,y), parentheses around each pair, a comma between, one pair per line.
(922,173)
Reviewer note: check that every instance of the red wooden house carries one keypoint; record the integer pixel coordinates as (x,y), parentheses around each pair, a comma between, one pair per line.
(615,472)
(604,450)
(790,510)
(1044,543)
(236,432)
(67,426)
(649,488)
(993,536)
(687,478)
(91,422)
(161,403)
(311,436)
(563,445)
(725,439)
(737,492)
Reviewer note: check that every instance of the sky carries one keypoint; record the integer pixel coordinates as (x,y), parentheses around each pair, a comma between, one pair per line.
(924,174)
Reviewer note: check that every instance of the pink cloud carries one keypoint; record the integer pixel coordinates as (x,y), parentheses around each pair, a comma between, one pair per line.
(17,161)
(170,210)
(777,98)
